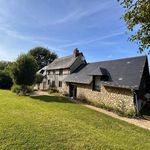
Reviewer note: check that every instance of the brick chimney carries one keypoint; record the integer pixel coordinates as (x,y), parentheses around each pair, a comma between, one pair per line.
(76,52)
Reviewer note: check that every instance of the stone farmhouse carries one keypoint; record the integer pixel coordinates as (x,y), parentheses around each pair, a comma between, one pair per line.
(120,84)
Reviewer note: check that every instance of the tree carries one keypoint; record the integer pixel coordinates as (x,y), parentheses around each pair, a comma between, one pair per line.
(23,71)
(38,79)
(42,56)
(5,80)
(4,64)
(137,18)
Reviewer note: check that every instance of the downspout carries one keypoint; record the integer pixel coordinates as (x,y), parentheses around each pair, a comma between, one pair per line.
(136,102)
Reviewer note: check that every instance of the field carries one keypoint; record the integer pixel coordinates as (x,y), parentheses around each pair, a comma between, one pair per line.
(51,122)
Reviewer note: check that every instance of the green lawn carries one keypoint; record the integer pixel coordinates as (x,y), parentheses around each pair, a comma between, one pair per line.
(46,122)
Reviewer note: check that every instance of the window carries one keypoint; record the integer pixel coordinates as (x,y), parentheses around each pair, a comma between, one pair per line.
(48,82)
(60,83)
(42,71)
(53,71)
(60,72)
(96,83)
(53,83)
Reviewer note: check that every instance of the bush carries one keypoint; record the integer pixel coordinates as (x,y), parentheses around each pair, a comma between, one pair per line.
(16,89)
(53,90)
(5,80)
(38,80)
(21,90)
(23,71)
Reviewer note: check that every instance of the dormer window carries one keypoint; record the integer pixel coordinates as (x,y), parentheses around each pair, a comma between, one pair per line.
(96,83)
(42,71)
(99,74)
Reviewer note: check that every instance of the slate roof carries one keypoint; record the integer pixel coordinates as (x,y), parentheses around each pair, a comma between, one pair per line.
(124,73)
(98,72)
(62,63)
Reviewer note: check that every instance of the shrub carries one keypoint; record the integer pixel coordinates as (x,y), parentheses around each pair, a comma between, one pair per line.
(23,72)
(16,89)
(53,90)
(5,80)
(38,80)
(21,90)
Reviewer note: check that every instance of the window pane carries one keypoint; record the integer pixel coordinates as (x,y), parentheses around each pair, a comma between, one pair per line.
(60,83)
(96,83)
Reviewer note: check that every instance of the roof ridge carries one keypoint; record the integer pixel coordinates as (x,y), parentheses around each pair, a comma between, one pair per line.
(63,57)
(118,59)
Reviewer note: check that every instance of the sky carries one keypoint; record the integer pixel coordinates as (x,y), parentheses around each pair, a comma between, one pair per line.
(94,27)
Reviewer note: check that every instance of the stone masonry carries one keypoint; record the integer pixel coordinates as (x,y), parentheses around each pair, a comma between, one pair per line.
(116,98)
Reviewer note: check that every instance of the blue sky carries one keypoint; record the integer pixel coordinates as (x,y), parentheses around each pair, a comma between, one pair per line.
(93,26)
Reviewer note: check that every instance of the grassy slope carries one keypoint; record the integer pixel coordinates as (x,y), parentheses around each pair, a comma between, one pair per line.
(55,123)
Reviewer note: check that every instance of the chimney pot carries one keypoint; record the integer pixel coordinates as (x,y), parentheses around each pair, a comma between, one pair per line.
(76,52)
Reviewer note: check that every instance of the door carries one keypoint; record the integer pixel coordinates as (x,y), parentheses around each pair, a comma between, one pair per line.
(44,85)
(73,91)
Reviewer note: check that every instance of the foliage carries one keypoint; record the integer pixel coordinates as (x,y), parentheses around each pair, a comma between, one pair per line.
(16,88)
(23,71)
(20,90)
(52,122)
(137,17)
(4,64)
(53,90)
(5,80)
(38,79)
(43,56)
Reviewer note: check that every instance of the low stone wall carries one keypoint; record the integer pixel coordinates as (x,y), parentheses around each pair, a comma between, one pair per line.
(116,98)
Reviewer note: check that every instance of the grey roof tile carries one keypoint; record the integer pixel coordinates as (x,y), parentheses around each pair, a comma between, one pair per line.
(62,63)
(124,73)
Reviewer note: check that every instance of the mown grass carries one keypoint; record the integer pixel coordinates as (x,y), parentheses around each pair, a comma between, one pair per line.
(51,122)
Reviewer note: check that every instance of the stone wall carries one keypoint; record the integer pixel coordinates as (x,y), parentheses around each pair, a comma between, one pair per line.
(116,98)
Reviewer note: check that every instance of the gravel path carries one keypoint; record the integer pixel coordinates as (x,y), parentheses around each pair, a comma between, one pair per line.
(138,122)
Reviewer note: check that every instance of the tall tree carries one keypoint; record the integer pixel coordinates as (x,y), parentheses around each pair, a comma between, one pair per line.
(137,18)
(43,56)
(4,64)
(5,80)
(24,70)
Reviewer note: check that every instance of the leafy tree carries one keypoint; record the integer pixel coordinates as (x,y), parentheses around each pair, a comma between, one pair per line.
(5,80)
(137,16)
(42,56)
(4,64)
(38,79)
(23,71)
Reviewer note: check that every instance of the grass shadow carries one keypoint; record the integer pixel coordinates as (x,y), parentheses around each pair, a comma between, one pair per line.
(50,99)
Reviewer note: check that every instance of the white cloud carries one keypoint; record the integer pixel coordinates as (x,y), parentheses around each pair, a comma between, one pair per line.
(99,39)
(82,12)
(35,39)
